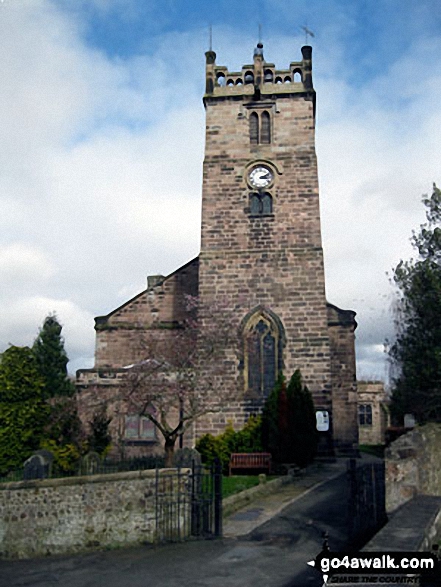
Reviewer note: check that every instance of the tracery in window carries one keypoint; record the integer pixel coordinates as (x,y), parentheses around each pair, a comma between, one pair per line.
(262,352)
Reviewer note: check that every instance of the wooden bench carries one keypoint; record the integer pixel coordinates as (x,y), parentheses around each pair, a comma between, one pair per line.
(252,460)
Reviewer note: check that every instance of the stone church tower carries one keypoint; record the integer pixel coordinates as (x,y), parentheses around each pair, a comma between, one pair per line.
(261,251)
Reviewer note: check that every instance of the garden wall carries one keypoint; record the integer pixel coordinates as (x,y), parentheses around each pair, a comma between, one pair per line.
(413,465)
(58,516)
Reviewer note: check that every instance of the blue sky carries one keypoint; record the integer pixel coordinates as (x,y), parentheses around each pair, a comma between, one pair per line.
(102,132)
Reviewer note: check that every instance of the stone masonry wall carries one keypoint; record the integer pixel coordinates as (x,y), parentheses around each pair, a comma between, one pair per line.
(344,385)
(59,516)
(274,261)
(372,393)
(158,309)
(413,465)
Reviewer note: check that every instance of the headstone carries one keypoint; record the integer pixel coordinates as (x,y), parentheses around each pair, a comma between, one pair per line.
(409,421)
(186,457)
(48,459)
(35,468)
(90,464)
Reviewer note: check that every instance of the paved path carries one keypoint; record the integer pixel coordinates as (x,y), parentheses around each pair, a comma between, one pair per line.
(271,555)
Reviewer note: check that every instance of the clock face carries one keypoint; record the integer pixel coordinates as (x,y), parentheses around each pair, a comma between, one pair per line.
(261,177)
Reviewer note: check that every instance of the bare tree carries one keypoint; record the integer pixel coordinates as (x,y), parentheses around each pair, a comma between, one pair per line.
(180,378)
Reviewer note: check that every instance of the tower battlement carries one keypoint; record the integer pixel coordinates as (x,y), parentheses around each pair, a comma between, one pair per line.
(259,78)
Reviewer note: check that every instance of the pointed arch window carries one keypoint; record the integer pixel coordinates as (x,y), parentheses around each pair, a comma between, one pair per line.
(262,353)
(260,128)
(261,204)
(265,128)
(254,128)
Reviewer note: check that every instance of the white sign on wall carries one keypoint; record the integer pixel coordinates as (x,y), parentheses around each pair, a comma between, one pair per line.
(322,419)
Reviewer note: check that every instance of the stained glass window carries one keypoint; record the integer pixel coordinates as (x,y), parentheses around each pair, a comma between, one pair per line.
(262,348)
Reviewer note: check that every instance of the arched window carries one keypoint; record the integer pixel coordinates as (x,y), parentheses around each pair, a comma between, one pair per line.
(267,204)
(255,207)
(268,77)
(254,128)
(262,351)
(297,76)
(261,204)
(249,77)
(265,128)
(260,128)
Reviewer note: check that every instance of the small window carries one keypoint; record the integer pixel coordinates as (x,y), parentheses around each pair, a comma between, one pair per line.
(221,79)
(254,128)
(266,128)
(139,428)
(261,204)
(297,77)
(365,415)
(267,204)
(255,207)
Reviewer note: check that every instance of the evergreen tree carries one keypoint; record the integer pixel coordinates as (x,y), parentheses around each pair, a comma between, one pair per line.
(272,440)
(416,352)
(289,423)
(23,411)
(52,359)
(302,422)
(99,438)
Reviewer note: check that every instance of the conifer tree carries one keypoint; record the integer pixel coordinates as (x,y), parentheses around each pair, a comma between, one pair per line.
(289,423)
(272,440)
(23,411)
(302,422)
(52,359)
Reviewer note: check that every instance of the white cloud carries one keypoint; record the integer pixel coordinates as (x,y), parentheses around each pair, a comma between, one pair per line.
(20,263)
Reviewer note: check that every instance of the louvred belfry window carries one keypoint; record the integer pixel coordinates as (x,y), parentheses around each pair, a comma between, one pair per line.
(260,128)
(265,135)
(254,128)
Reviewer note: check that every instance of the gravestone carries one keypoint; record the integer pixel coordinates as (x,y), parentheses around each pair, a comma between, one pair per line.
(187,457)
(35,468)
(409,421)
(48,459)
(90,464)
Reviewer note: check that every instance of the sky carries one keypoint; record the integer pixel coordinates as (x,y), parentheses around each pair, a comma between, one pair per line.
(102,139)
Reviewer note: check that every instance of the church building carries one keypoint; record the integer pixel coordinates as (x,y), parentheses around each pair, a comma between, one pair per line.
(261,250)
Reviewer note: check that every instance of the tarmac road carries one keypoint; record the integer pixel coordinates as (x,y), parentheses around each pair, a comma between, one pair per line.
(273,555)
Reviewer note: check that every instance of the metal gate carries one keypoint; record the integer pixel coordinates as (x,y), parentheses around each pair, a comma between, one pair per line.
(367,500)
(189,505)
